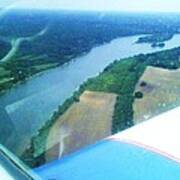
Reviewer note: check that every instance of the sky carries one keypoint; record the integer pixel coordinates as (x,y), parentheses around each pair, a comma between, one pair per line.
(100,5)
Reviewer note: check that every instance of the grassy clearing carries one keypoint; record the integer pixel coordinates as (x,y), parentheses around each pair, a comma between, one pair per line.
(45,66)
(4,72)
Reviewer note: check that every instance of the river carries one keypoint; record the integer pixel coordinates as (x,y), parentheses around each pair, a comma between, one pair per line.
(29,105)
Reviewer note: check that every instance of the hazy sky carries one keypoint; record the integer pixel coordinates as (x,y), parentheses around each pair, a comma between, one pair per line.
(118,5)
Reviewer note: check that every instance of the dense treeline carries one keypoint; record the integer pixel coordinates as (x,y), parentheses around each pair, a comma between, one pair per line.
(119,77)
(68,35)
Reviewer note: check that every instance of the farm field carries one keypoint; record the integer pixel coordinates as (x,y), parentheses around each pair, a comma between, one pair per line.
(82,124)
(160,88)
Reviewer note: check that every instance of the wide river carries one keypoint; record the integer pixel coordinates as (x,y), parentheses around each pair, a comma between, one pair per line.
(25,108)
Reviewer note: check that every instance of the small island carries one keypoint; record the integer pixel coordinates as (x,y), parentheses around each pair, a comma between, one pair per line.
(160,45)
(156,40)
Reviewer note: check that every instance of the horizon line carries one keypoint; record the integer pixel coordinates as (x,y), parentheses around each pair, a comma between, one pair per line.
(93,10)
